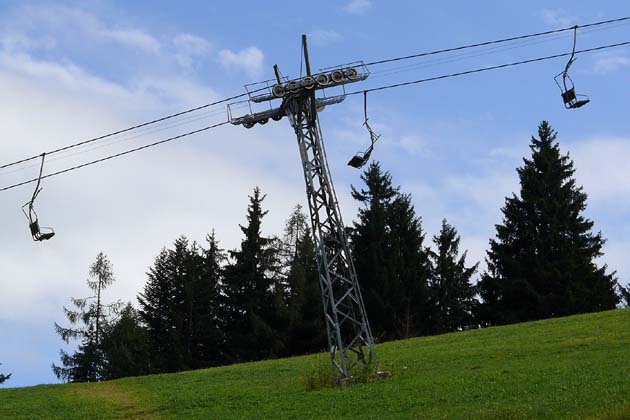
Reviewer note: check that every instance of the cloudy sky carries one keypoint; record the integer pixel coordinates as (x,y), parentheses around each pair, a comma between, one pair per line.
(70,71)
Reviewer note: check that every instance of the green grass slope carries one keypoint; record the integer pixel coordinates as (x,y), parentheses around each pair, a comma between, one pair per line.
(567,368)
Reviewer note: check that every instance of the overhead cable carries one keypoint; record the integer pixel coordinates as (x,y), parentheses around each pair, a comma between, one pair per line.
(83,165)
(61,149)
(474,54)
(264,88)
(498,41)
(500,66)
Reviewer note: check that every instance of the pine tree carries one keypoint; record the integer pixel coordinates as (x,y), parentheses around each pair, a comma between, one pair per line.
(158,314)
(409,266)
(452,293)
(208,324)
(370,246)
(252,292)
(4,378)
(542,262)
(306,332)
(126,346)
(390,259)
(187,264)
(180,306)
(88,320)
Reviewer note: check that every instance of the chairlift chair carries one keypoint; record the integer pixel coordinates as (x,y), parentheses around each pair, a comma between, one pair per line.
(569,97)
(567,88)
(38,233)
(361,158)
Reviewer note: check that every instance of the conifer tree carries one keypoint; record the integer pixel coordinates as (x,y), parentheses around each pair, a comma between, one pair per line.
(542,262)
(4,378)
(370,246)
(208,328)
(306,332)
(180,306)
(158,314)
(390,259)
(187,264)
(409,269)
(253,291)
(452,293)
(126,346)
(624,292)
(88,321)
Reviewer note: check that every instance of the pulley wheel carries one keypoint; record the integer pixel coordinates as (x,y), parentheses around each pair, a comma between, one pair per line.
(322,79)
(337,76)
(308,82)
(292,86)
(351,73)
(278,91)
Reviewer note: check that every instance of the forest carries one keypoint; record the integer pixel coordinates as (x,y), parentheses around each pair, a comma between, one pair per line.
(203,306)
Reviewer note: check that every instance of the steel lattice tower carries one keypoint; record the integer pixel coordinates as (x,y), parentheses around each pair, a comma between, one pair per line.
(349,337)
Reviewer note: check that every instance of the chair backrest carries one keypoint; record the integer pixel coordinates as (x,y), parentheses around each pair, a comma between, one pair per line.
(34,226)
(569,95)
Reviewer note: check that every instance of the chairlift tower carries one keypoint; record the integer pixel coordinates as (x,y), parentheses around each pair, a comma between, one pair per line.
(349,337)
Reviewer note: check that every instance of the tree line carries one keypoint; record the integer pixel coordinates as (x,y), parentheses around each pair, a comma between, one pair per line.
(204,306)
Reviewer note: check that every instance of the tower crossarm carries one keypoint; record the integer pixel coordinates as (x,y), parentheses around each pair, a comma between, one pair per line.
(277,113)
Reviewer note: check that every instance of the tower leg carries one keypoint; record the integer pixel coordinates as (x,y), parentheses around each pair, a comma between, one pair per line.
(349,337)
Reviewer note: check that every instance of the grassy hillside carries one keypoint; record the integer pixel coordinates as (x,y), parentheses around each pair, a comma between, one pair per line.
(569,368)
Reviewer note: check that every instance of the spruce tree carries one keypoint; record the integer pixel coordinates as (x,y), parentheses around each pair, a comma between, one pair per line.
(306,332)
(208,331)
(187,271)
(88,322)
(390,258)
(408,265)
(370,246)
(452,293)
(252,292)
(126,346)
(542,262)
(4,378)
(158,314)
(180,306)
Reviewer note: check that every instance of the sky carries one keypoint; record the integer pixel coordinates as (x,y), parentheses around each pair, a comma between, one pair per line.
(71,70)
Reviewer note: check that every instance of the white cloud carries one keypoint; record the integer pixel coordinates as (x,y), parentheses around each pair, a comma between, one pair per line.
(610,62)
(66,73)
(191,44)
(322,37)
(557,17)
(130,207)
(76,32)
(21,42)
(414,145)
(134,38)
(188,47)
(358,7)
(77,25)
(602,168)
(249,60)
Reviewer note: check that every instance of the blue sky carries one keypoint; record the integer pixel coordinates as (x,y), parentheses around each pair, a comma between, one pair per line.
(73,70)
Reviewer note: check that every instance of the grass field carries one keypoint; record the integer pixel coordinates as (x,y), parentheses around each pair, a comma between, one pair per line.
(567,368)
